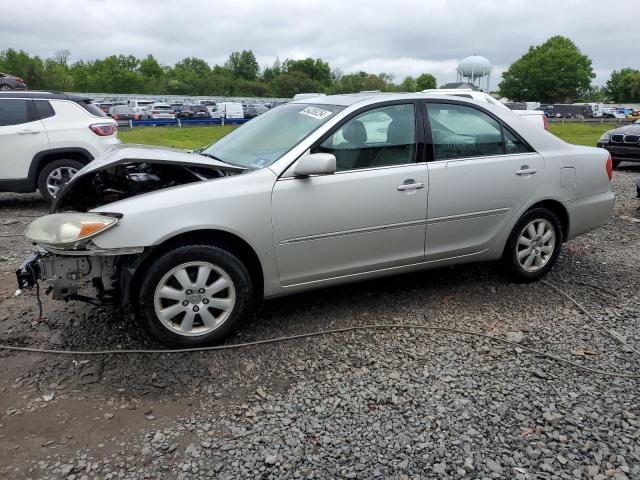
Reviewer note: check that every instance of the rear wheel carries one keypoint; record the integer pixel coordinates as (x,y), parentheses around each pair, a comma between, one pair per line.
(5,87)
(55,175)
(533,246)
(194,296)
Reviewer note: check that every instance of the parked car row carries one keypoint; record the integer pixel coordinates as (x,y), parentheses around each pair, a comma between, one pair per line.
(147,109)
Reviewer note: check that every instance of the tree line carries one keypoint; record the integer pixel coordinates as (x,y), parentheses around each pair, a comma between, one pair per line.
(240,75)
(555,71)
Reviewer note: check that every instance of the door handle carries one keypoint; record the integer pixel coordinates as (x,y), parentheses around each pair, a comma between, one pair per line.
(410,186)
(28,132)
(525,170)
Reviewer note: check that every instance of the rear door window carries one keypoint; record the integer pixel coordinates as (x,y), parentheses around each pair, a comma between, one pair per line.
(15,112)
(459,131)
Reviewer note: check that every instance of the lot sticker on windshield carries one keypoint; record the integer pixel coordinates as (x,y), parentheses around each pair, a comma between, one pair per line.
(315,112)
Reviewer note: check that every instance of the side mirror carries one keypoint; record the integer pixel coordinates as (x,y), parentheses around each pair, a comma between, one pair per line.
(315,164)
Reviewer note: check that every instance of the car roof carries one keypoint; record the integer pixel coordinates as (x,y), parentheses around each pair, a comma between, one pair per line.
(353,98)
(45,95)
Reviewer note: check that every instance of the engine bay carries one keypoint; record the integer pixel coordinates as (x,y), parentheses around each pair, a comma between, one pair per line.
(126,180)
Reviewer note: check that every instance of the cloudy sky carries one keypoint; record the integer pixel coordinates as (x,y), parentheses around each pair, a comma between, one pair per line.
(402,37)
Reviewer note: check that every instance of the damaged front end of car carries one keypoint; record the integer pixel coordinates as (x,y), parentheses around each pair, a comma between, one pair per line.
(67,259)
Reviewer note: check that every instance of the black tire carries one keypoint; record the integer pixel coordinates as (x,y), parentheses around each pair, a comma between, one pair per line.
(50,167)
(153,276)
(510,263)
(615,163)
(5,87)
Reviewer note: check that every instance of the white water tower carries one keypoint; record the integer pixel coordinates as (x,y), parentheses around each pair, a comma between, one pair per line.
(476,70)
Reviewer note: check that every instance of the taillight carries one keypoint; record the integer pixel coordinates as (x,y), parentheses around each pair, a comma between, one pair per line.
(545,121)
(104,129)
(156,112)
(116,117)
(136,117)
(610,167)
(20,79)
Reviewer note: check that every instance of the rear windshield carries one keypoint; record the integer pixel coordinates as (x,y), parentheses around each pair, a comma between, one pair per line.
(162,107)
(91,108)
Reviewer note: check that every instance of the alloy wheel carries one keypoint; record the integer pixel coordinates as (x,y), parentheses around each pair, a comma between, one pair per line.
(194,298)
(536,244)
(58,178)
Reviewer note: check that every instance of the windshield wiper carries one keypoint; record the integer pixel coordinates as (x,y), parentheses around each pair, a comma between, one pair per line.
(223,161)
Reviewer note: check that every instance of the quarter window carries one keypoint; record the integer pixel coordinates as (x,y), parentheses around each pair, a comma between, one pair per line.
(14,112)
(513,144)
(379,137)
(44,109)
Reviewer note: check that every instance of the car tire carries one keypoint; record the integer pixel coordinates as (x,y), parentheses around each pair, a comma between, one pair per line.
(162,291)
(5,87)
(527,255)
(615,163)
(56,174)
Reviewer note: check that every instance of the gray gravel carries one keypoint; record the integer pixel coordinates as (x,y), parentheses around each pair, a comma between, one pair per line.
(398,404)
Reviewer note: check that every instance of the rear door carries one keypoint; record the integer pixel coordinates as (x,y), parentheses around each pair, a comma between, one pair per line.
(22,137)
(481,173)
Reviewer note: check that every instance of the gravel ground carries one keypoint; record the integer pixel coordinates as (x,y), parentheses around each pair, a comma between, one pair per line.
(369,404)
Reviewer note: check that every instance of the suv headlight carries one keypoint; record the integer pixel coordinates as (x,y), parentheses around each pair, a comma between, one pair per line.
(606,136)
(68,230)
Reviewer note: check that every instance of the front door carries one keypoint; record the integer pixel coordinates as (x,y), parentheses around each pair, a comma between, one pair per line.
(480,176)
(369,215)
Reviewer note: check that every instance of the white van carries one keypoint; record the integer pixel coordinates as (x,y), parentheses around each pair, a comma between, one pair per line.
(227,110)
(139,105)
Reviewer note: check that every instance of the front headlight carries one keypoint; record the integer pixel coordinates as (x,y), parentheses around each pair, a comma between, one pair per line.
(68,230)
(606,136)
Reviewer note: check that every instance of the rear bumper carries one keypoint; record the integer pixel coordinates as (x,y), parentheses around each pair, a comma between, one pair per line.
(589,213)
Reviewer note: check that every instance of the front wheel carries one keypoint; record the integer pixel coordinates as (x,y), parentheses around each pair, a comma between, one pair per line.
(533,246)
(195,295)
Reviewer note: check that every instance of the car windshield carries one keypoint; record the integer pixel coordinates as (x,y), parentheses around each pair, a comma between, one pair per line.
(266,138)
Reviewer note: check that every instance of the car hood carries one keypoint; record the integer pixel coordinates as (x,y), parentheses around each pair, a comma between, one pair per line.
(635,129)
(128,153)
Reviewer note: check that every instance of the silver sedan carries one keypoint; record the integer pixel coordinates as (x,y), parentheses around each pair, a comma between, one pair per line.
(317,192)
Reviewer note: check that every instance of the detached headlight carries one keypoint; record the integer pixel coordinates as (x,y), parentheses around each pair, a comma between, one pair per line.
(606,136)
(68,230)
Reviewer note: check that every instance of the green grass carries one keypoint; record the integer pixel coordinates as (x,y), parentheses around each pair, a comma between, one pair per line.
(187,137)
(194,137)
(581,133)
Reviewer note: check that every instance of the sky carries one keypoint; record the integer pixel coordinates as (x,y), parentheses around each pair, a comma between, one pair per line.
(401,37)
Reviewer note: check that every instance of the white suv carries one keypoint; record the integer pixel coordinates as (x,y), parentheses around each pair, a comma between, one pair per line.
(45,138)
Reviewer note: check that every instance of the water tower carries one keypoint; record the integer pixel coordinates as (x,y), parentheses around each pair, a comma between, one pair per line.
(476,70)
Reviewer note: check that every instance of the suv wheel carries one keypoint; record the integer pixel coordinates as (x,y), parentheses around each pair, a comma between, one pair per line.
(533,246)
(55,175)
(194,295)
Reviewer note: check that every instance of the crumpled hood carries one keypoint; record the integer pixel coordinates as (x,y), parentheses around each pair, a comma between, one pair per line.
(146,153)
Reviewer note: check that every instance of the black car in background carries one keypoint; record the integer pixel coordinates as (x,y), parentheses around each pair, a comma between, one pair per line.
(253,110)
(11,82)
(123,112)
(193,111)
(622,143)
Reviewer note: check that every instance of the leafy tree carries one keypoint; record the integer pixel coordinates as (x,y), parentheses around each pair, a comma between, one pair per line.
(357,82)
(317,69)
(289,84)
(426,81)
(243,65)
(554,71)
(620,86)
(408,85)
